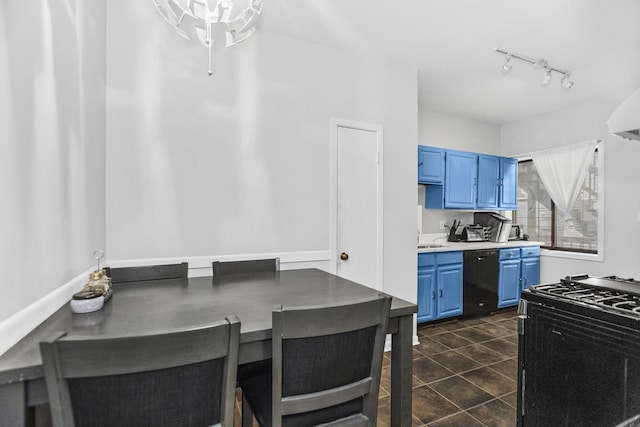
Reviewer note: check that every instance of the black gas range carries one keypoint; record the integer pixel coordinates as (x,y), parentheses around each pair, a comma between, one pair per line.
(579,352)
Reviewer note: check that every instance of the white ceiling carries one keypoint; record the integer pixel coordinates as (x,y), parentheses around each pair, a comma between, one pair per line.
(451,43)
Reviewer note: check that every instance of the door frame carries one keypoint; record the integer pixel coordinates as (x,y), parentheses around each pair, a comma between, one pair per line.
(336,123)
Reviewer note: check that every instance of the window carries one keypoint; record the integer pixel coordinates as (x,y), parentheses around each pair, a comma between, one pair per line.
(540,219)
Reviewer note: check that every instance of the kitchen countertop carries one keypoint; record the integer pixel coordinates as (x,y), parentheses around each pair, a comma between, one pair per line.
(469,246)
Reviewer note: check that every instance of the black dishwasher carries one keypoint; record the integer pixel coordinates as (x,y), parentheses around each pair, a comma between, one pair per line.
(480,292)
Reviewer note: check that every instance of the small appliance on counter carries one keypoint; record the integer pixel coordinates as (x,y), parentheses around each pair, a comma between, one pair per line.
(467,233)
(498,226)
(515,233)
(474,233)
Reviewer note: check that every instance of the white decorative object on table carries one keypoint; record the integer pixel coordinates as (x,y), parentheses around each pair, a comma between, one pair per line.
(87,301)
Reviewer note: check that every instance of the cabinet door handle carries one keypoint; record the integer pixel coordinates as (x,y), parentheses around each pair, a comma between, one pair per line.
(420,164)
(440,293)
(434,295)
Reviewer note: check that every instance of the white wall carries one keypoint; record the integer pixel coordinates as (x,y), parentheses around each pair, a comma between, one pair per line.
(454,133)
(621,182)
(458,133)
(52,142)
(238,163)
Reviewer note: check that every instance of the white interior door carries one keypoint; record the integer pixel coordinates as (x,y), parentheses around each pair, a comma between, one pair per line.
(357,242)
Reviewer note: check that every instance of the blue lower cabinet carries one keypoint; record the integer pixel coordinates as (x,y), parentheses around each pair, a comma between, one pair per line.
(519,269)
(530,266)
(439,285)
(426,287)
(508,282)
(449,290)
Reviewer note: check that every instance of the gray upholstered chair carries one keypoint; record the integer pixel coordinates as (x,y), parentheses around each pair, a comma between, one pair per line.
(185,378)
(249,266)
(325,369)
(148,272)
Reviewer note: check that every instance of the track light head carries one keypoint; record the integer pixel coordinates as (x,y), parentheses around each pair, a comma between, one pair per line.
(566,83)
(507,64)
(547,77)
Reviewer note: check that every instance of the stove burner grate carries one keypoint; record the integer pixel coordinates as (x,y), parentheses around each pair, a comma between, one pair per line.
(593,296)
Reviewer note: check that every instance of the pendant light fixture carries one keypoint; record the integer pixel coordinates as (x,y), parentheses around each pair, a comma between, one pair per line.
(538,64)
(200,18)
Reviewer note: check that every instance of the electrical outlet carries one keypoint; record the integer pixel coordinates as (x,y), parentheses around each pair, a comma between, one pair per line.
(442,225)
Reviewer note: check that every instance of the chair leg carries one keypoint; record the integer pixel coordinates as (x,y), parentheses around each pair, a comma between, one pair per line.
(247,413)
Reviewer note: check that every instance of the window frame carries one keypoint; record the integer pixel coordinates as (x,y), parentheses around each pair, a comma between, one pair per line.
(560,252)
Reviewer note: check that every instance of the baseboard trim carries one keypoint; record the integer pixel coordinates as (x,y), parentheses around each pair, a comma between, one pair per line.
(16,327)
(387,343)
(289,259)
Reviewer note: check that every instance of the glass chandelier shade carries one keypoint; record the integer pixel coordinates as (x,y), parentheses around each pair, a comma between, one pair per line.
(237,18)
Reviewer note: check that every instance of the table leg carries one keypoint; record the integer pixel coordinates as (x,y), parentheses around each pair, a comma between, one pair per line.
(247,414)
(13,405)
(401,372)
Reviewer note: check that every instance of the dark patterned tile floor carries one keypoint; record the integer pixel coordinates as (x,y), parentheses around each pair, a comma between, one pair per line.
(464,373)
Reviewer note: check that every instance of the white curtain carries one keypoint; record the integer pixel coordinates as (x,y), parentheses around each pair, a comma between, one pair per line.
(563,170)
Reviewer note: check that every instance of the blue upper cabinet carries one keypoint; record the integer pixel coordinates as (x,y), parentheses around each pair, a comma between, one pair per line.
(488,181)
(460,180)
(430,165)
(471,180)
(508,184)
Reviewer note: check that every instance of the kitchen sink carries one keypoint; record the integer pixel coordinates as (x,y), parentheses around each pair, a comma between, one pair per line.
(429,245)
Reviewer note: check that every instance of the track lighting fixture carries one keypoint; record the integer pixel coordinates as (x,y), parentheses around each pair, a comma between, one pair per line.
(538,64)
(508,63)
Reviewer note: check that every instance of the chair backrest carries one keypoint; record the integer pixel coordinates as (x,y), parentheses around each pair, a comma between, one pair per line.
(327,362)
(249,266)
(184,378)
(148,272)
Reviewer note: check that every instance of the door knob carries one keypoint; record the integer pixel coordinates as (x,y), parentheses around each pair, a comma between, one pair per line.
(344,256)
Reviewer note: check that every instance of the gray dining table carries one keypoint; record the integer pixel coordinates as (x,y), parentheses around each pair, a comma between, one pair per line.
(164,305)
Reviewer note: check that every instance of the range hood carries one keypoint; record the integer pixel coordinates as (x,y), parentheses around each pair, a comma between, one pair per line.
(625,120)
